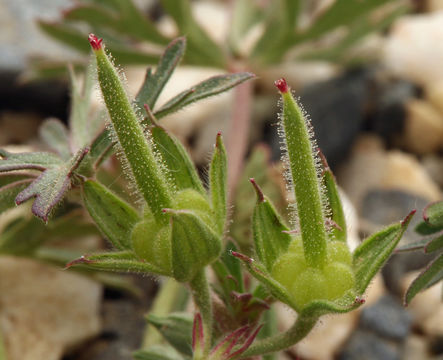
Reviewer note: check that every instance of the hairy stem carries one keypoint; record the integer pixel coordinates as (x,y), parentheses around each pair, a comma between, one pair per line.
(202,298)
(302,326)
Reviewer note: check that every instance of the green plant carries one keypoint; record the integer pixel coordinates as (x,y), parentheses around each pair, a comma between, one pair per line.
(431,227)
(177,228)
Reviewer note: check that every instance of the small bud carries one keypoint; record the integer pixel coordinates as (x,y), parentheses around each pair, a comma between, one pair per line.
(282,85)
(95,42)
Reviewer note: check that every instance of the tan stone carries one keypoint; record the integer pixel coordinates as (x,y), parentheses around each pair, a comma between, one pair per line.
(423,127)
(434,94)
(45,310)
(415,348)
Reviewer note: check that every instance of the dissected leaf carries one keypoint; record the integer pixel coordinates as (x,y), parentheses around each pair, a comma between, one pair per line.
(218,183)
(50,187)
(113,216)
(209,87)
(55,134)
(269,232)
(373,252)
(180,168)
(433,214)
(155,82)
(35,161)
(431,275)
(9,192)
(176,329)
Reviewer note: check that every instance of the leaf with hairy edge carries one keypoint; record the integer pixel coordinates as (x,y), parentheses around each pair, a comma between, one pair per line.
(176,329)
(435,243)
(370,256)
(428,244)
(269,232)
(55,134)
(181,169)
(113,216)
(338,232)
(194,244)
(258,271)
(116,261)
(323,307)
(155,82)
(429,276)
(209,87)
(424,228)
(9,192)
(50,187)
(218,183)
(157,352)
(233,265)
(433,214)
(33,161)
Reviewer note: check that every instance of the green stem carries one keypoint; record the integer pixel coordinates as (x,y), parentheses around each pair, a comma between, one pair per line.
(202,298)
(304,178)
(302,326)
(164,303)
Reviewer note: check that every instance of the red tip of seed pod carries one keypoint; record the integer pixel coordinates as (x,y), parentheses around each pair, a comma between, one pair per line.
(95,42)
(282,85)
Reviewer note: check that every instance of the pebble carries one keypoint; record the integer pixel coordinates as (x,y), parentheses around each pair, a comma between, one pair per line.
(423,130)
(409,51)
(415,348)
(44,310)
(387,318)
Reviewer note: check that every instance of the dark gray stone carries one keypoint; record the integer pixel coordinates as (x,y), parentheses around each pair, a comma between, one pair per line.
(364,345)
(387,318)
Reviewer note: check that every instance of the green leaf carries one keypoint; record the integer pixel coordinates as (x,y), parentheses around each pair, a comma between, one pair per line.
(50,187)
(135,148)
(424,228)
(435,244)
(432,274)
(218,183)
(22,237)
(114,217)
(116,261)
(157,352)
(180,168)
(209,87)
(259,272)
(337,214)
(194,244)
(370,256)
(176,329)
(34,161)
(101,148)
(269,232)
(433,214)
(155,82)
(428,244)
(9,192)
(67,35)
(202,49)
(323,307)
(55,134)
(233,265)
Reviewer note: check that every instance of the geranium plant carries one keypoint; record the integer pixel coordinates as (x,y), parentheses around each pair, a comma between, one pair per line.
(177,226)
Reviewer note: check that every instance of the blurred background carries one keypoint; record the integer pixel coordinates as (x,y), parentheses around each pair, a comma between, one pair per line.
(369,75)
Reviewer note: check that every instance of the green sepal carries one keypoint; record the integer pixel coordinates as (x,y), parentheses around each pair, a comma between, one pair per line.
(345,304)
(116,261)
(433,214)
(129,133)
(114,217)
(194,244)
(373,252)
(9,192)
(181,170)
(209,87)
(258,271)
(337,214)
(157,352)
(55,134)
(432,274)
(155,82)
(218,183)
(271,238)
(176,329)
